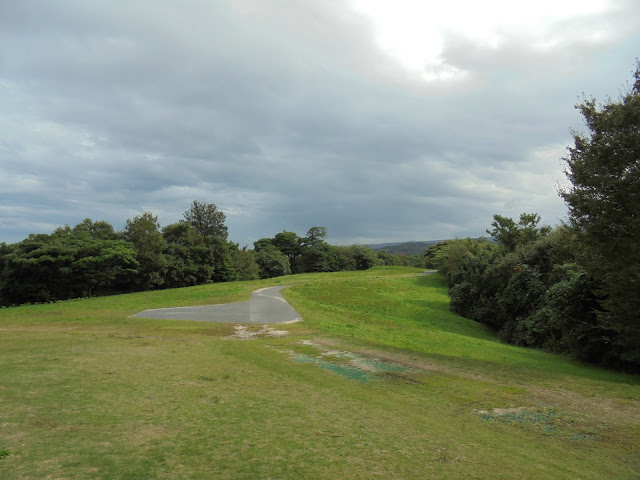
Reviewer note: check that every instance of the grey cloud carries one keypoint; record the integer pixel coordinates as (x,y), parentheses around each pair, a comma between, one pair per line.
(284,114)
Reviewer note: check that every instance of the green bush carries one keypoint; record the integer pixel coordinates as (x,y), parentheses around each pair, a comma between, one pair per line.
(534,295)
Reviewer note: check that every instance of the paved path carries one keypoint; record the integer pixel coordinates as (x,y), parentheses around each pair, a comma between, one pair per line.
(427,272)
(266,306)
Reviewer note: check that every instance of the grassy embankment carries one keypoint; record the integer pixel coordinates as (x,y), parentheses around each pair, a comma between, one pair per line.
(379,381)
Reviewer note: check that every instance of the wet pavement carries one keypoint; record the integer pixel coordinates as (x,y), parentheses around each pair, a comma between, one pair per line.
(266,306)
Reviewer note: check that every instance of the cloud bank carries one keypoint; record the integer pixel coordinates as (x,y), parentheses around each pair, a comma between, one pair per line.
(288,115)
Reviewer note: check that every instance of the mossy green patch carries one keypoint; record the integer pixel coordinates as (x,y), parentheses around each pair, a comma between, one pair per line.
(377,366)
(300,358)
(543,419)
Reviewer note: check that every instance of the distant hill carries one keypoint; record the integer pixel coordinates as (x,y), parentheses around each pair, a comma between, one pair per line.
(411,248)
(408,248)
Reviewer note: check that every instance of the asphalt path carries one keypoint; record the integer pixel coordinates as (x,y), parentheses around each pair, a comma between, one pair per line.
(427,272)
(266,306)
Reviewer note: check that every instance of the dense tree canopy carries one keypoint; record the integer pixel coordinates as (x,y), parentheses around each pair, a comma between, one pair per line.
(189,261)
(576,289)
(99,230)
(207,220)
(536,295)
(272,262)
(315,236)
(509,233)
(245,263)
(288,243)
(93,258)
(144,232)
(68,263)
(604,205)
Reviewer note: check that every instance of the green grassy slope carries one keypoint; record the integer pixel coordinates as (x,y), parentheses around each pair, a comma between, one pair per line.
(379,381)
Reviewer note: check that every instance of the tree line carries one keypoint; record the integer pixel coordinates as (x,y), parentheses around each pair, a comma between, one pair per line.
(574,289)
(288,253)
(92,258)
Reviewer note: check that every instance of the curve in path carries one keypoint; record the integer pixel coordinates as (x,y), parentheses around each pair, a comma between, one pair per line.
(427,272)
(266,306)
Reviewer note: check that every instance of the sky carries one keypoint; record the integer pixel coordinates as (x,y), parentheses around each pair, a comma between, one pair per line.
(382,120)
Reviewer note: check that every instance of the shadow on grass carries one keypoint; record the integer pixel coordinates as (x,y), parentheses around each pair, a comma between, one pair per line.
(437,315)
(435,282)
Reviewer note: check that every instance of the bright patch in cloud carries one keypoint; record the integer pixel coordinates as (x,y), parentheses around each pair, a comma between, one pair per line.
(414,32)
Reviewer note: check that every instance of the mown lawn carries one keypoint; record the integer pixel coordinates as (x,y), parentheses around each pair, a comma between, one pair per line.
(379,381)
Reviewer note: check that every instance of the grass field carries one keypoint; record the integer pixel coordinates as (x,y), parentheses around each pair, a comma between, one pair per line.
(380,380)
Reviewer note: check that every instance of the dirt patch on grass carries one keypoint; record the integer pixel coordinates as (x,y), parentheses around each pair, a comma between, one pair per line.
(145,434)
(398,377)
(503,411)
(242,332)
(593,410)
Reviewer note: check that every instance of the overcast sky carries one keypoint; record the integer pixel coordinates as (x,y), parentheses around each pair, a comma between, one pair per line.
(382,120)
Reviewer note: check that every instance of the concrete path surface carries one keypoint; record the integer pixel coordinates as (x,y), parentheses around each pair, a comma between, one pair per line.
(266,306)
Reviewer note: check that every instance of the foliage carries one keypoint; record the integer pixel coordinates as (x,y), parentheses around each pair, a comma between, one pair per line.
(272,262)
(363,257)
(262,243)
(568,320)
(99,230)
(245,264)
(101,264)
(68,263)
(194,259)
(575,289)
(319,258)
(316,255)
(223,262)
(604,209)
(313,254)
(143,231)
(355,257)
(403,248)
(189,260)
(207,220)
(315,237)
(92,258)
(384,258)
(290,244)
(536,295)
(510,234)
(400,260)
(432,253)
